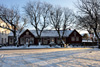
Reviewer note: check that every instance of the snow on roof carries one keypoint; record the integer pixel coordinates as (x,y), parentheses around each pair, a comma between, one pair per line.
(17,33)
(87,41)
(51,33)
(48,33)
(10,34)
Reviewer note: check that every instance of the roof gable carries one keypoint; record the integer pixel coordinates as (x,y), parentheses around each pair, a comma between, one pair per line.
(73,33)
(24,33)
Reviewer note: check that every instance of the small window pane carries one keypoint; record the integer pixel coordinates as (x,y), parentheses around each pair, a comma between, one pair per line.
(73,38)
(77,38)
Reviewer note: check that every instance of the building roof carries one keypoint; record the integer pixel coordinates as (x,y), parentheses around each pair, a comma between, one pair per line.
(17,33)
(47,33)
(84,40)
(51,33)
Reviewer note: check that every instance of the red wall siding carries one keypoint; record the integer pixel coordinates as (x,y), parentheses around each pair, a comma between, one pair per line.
(69,40)
(24,34)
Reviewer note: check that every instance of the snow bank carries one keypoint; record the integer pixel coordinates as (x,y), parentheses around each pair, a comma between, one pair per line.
(25,47)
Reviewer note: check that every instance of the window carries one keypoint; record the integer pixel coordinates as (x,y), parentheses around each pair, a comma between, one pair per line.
(22,40)
(73,38)
(45,41)
(27,33)
(11,40)
(2,32)
(2,41)
(77,38)
(5,40)
(31,40)
(52,40)
(58,41)
(5,32)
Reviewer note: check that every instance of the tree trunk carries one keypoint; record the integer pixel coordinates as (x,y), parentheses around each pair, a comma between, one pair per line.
(39,41)
(62,42)
(14,36)
(99,43)
(64,45)
(97,38)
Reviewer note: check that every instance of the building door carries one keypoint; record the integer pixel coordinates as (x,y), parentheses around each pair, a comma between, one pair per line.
(27,40)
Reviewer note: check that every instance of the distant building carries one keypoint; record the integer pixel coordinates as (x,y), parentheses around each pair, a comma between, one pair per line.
(47,36)
(86,37)
(3,33)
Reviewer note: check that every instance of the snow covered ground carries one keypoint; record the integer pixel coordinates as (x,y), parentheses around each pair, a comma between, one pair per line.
(60,57)
(25,47)
(42,46)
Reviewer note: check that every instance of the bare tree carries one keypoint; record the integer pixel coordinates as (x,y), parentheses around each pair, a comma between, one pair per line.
(83,23)
(38,14)
(11,18)
(90,13)
(21,27)
(61,19)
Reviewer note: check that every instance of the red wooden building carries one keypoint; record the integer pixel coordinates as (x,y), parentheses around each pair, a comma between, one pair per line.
(47,36)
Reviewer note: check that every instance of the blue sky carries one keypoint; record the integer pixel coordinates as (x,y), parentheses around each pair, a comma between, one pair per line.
(21,3)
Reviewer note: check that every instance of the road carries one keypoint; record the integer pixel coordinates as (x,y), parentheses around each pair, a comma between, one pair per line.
(55,57)
(41,50)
